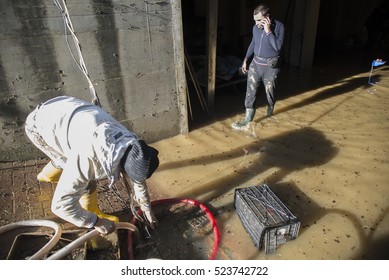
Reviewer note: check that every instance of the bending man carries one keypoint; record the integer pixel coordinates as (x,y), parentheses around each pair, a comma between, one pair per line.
(86,144)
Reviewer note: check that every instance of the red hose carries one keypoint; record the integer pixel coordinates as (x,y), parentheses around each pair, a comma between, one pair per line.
(182,200)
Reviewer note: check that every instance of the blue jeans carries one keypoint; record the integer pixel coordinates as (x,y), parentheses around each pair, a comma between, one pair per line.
(260,73)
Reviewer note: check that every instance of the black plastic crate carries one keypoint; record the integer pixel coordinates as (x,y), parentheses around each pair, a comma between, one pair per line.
(265,218)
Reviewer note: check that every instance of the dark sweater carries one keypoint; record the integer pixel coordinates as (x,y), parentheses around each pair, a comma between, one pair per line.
(266,45)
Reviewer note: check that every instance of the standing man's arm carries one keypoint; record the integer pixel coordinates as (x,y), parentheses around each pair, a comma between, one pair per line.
(249,53)
(276,38)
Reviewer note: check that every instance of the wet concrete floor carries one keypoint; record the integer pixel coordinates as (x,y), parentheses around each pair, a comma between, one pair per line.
(324,153)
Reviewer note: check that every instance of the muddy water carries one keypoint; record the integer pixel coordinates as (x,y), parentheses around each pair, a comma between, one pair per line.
(324,153)
(182,234)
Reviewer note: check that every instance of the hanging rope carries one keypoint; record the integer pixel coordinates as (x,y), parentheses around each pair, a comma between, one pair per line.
(80,62)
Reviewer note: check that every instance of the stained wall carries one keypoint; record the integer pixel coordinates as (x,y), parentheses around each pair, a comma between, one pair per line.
(128,50)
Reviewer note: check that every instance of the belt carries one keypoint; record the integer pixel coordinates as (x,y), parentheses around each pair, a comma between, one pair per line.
(260,60)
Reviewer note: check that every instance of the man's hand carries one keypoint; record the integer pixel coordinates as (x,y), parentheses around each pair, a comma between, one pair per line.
(104,226)
(266,24)
(244,67)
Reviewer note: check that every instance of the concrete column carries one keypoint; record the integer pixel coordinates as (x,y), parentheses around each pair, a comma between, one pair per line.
(310,28)
(212,15)
(304,27)
(179,61)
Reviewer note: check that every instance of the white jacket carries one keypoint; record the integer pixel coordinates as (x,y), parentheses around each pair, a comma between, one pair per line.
(87,143)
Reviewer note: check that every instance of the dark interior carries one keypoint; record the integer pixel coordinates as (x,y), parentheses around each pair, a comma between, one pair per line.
(342,48)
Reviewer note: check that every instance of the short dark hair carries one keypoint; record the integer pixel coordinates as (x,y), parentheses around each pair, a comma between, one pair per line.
(263,9)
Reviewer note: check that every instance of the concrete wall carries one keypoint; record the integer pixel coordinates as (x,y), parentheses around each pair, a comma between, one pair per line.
(128,51)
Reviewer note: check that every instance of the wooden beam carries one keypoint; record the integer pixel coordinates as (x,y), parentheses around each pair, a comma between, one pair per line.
(212,14)
(195,81)
(310,29)
(179,59)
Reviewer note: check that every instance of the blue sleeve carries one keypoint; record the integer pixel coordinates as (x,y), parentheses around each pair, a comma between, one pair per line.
(250,49)
(276,37)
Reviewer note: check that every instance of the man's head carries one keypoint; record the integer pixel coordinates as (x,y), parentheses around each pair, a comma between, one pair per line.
(140,161)
(260,12)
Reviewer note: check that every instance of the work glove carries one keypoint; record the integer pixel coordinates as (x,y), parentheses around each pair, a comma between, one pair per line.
(151,220)
(104,226)
(141,195)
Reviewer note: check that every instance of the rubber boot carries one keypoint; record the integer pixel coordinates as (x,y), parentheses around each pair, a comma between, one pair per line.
(270,111)
(90,203)
(248,118)
(49,174)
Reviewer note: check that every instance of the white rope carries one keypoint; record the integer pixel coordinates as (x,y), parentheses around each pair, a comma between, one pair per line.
(81,63)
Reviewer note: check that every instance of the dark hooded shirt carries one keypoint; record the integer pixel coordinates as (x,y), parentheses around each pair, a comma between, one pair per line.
(267,45)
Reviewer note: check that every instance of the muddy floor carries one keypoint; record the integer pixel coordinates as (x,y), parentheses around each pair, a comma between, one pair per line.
(324,153)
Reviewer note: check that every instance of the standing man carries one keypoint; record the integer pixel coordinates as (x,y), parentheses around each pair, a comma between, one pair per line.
(266,45)
(86,144)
